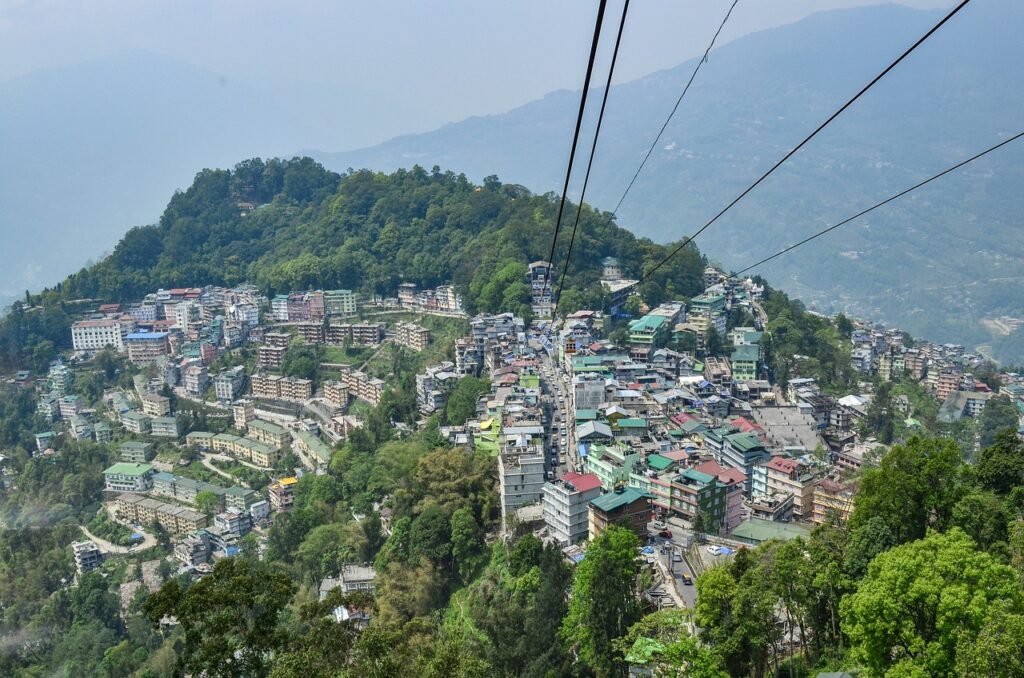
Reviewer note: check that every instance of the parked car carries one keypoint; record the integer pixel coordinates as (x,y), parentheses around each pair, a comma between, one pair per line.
(686,580)
(659,525)
(676,558)
(714,550)
(665,534)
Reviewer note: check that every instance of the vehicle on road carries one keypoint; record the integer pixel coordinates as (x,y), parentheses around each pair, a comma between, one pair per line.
(714,550)
(658,525)
(686,580)
(665,534)
(676,558)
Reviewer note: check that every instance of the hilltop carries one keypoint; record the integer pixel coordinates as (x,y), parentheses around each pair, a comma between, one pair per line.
(956,246)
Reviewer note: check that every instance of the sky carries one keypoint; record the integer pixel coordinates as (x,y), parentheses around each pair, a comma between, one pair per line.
(439,61)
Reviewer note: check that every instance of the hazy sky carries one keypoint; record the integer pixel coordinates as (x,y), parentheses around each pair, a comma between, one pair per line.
(445,59)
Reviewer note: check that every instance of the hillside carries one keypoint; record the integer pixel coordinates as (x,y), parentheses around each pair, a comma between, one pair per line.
(956,247)
(91,149)
(364,231)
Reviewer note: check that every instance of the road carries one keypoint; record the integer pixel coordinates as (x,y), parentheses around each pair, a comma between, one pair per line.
(224,474)
(148,541)
(668,563)
(562,413)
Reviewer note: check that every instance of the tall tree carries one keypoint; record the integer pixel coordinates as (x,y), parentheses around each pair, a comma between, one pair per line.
(604,600)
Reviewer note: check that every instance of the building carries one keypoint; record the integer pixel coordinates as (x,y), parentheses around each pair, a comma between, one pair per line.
(412,336)
(352,578)
(735,485)
(782,475)
(625,507)
(128,477)
(165,427)
(314,448)
(193,549)
(136,452)
(70,405)
(60,377)
(156,405)
(566,506)
(88,556)
(282,493)
(647,334)
(610,269)
(744,362)
(340,302)
(196,379)
(268,433)
(336,393)
(95,335)
(136,422)
(79,427)
(270,357)
(244,411)
(228,384)
(520,478)
(833,502)
(696,492)
(145,348)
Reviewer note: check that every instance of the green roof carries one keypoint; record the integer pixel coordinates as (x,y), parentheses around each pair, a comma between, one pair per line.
(317,447)
(135,445)
(745,353)
(127,468)
(616,500)
(133,415)
(268,427)
(693,426)
(198,434)
(698,476)
(744,442)
(627,422)
(658,462)
(586,415)
(756,530)
(648,323)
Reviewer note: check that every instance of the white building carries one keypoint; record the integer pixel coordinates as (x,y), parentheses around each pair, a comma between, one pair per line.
(228,384)
(521,478)
(339,302)
(566,503)
(95,335)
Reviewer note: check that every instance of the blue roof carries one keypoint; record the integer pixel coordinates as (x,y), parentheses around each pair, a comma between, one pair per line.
(146,335)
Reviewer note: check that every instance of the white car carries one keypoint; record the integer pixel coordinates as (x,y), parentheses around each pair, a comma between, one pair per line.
(714,550)
(658,525)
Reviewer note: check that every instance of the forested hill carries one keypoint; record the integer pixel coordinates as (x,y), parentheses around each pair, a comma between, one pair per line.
(366,231)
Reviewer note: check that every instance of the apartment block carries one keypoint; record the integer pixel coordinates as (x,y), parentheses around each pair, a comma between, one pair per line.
(165,427)
(412,336)
(156,405)
(268,433)
(145,348)
(566,506)
(128,477)
(282,493)
(88,556)
(270,357)
(95,335)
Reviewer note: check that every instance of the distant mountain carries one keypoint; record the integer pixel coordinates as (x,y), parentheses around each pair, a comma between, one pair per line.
(90,150)
(947,263)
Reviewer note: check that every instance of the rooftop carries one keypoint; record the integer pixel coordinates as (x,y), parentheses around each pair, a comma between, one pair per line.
(127,468)
(616,500)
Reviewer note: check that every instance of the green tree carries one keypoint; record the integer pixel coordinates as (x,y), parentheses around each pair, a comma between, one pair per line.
(915,486)
(462,402)
(229,618)
(997,650)
(467,542)
(604,600)
(1000,466)
(920,599)
(999,415)
(207,502)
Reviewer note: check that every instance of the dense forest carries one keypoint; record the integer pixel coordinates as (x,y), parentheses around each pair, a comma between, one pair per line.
(365,231)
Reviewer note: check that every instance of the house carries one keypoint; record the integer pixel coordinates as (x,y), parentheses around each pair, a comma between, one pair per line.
(165,427)
(625,507)
(79,427)
(228,384)
(282,493)
(70,405)
(88,556)
(128,477)
(268,433)
(566,503)
(744,362)
(350,579)
(833,502)
(156,405)
(136,422)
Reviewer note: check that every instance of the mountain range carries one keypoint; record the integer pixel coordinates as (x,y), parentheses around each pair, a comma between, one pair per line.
(944,263)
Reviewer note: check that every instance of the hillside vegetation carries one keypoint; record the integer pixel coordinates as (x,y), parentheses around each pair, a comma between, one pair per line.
(363,230)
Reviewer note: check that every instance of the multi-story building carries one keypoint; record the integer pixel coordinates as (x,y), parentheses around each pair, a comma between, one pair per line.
(49,406)
(647,334)
(520,478)
(268,433)
(95,335)
(128,477)
(744,362)
(228,384)
(88,556)
(695,492)
(742,451)
(79,427)
(135,422)
(367,334)
(782,475)
(412,336)
(136,452)
(362,385)
(434,386)
(314,448)
(175,518)
(165,427)
(155,405)
(625,507)
(196,379)
(833,502)
(340,302)
(279,308)
(566,506)
(60,377)
(244,411)
(735,482)
(282,493)
(70,405)
(335,393)
(270,357)
(145,348)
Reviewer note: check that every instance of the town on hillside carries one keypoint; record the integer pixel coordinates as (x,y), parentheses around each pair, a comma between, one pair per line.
(672,422)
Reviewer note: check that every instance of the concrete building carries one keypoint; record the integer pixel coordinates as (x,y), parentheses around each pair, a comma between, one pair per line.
(270,357)
(566,506)
(128,477)
(70,405)
(340,302)
(155,405)
(95,335)
(520,478)
(833,502)
(352,578)
(165,427)
(268,433)
(627,507)
(412,336)
(145,348)
(282,493)
(228,384)
(88,556)
(244,411)
(196,379)
(136,452)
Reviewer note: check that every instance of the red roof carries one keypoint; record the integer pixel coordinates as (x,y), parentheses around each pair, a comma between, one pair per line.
(676,455)
(682,418)
(782,464)
(582,481)
(728,476)
(745,425)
